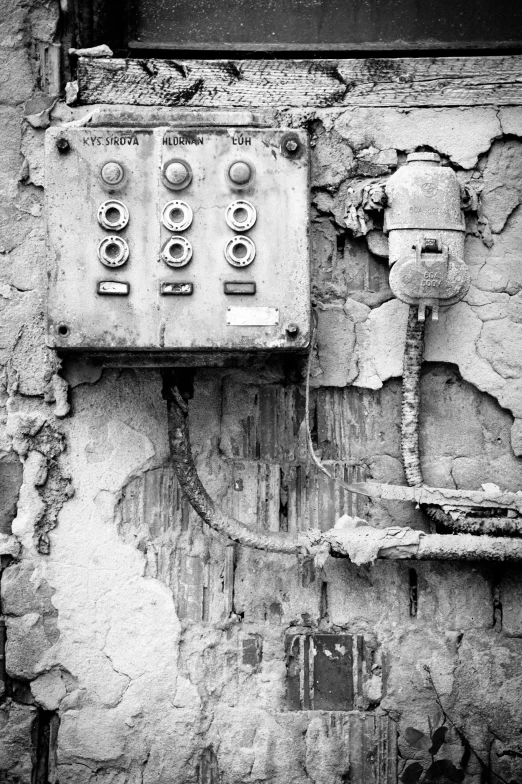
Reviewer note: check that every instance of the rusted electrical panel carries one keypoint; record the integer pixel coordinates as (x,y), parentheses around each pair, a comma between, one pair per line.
(426,233)
(177,239)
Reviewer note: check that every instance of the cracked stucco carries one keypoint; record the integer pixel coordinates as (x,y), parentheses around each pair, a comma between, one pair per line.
(108,629)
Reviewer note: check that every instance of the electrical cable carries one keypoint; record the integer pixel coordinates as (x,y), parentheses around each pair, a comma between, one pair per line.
(309,440)
(202,503)
(413,353)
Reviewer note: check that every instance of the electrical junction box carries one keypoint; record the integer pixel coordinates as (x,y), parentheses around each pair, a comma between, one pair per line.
(165,239)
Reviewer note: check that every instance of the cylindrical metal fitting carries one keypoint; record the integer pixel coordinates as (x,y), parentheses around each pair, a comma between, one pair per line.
(426,228)
(423,195)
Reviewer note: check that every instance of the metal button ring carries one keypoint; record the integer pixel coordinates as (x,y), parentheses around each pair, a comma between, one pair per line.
(240,251)
(177,215)
(113,251)
(113,215)
(241,215)
(176,252)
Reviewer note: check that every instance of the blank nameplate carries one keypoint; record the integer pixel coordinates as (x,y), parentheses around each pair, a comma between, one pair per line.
(113,287)
(252,317)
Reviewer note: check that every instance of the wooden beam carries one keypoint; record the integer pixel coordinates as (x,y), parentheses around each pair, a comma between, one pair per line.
(415,81)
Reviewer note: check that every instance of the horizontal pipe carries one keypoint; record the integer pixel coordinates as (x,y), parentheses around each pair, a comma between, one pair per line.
(427,547)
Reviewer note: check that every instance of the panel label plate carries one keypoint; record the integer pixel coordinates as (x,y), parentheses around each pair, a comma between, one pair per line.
(252,317)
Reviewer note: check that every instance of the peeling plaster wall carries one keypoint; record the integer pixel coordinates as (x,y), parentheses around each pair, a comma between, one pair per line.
(158,647)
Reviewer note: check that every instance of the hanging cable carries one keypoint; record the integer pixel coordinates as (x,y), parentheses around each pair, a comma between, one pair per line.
(202,503)
(410,452)
(310,444)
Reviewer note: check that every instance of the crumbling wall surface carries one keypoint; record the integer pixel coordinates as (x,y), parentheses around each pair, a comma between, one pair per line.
(142,649)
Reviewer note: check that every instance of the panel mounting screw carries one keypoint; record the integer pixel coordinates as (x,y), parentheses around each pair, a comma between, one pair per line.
(62,144)
(292,330)
(291,145)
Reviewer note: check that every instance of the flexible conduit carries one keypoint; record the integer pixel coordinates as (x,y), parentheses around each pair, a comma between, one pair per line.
(183,463)
(413,351)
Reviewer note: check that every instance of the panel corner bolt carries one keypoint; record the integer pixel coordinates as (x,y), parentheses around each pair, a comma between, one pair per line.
(62,144)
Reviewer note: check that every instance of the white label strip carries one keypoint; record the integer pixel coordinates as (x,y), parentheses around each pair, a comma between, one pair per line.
(252,317)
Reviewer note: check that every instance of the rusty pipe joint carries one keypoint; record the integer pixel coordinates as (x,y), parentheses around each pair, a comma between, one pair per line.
(426,228)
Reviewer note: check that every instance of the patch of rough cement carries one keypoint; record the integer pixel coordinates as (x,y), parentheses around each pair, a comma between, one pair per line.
(49,690)
(336,327)
(380,344)
(460,133)
(502,183)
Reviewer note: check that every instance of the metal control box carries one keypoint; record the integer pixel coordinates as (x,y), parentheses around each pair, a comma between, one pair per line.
(177,239)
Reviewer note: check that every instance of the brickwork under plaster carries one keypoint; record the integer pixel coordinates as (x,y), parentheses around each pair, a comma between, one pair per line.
(127,619)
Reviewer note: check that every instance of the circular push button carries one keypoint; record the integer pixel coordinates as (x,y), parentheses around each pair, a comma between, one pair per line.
(112,173)
(113,215)
(177,215)
(241,215)
(177,175)
(176,252)
(113,251)
(240,174)
(240,251)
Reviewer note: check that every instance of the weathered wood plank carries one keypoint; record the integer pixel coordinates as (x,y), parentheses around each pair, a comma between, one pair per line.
(424,81)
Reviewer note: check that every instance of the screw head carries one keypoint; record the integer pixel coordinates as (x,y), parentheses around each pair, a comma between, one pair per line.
(292,330)
(240,173)
(291,145)
(112,173)
(177,173)
(62,144)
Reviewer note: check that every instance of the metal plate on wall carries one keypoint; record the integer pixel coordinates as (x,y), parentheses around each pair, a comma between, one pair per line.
(138,261)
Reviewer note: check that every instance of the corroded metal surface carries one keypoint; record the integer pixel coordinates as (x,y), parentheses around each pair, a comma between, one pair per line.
(426,234)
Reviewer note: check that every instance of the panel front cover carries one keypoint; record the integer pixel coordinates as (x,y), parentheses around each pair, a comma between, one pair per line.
(219,299)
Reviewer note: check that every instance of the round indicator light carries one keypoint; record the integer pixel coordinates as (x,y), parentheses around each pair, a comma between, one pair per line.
(112,173)
(177,175)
